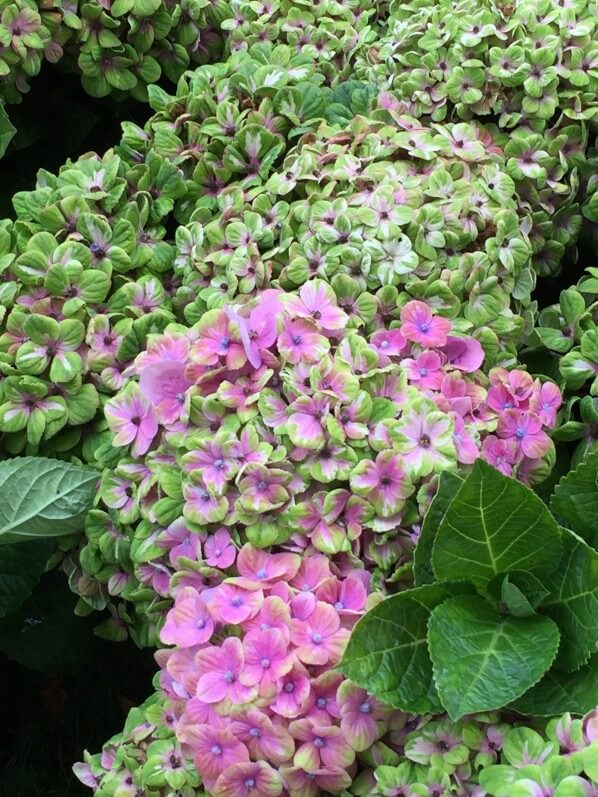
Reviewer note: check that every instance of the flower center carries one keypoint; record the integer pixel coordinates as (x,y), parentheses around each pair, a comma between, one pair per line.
(236,602)
(319,742)
(339,605)
(265,664)
(262,485)
(261,573)
(201,623)
(316,638)
(424,326)
(296,340)
(225,343)
(255,732)
(219,464)
(520,433)
(321,702)
(365,708)
(229,676)
(290,687)
(250,783)
(384,344)
(424,441)
(216,749)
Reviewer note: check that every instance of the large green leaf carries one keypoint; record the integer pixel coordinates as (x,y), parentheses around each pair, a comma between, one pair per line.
(483,660)
(21,566)
(448,485)
(557,692)
(494,525)
(573,602)
(388,655)
(575,499)
(43,498)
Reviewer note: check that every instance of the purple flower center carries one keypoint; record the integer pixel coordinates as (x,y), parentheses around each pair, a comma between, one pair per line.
(365,708)
(236,602)
(520,433)
(424,326)
(217,552)
(319,742)
(255,732)
(225,343)
(219,464)
(265,663)
(261,573)
(423,371)
(316,638)
(250,783)
(296,340)
(339,605)
(216,749)
(290,687)
(384,344)
(201,623)
(262,485)
(229,676)
(321,702)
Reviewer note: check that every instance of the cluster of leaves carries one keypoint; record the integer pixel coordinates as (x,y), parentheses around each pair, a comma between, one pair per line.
(117,47)
(504,608)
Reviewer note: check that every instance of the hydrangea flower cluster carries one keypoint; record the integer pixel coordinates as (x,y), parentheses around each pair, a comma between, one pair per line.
(90,252)
(281,425)
(566,337)
(262,709)
(117,47)
(520,61)
(485,755)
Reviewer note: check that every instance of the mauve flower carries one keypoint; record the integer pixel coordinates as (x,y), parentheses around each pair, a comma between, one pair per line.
(188,623)
(219,550)
(299,341)
(363,718)
(216,343)
(249,780)
(420,325)
(164,384)
(215,750)
(312,572)
(323,745)
(266,660)
(219,669)
(330,780)
(525,430)
(233,605)
(545,402)
(323,706)
(275,613)
(466,354)
(348,596)
(293,693)
(319,638)
(425,371)
(501,454)
(133,418)
(264,739)
(389,342)
(383,482)
(256,567)
(316,301)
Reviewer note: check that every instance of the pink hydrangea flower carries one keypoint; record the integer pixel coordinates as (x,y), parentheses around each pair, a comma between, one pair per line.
(300,341)
(501,454)
(266,660)
(293,693)
(215,750)
(263,738)
(363,718)
(389,342)
(525,430)
(256,567)
(220,668)
(316,301)
(233,605)
(188,623)
(132,417)
(319,638)
(249,780)
(545,402)
(420,325)
(219,550)
(323,745)
(383,481)
(164,384)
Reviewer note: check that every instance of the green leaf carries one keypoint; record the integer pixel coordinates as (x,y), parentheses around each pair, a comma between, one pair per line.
(494,525)
(520,584)
(557,692)
(575,500)
(448,485)
(483,660)
(43,498)
(21,566)
(573,602)
(388,654)
(7,131)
